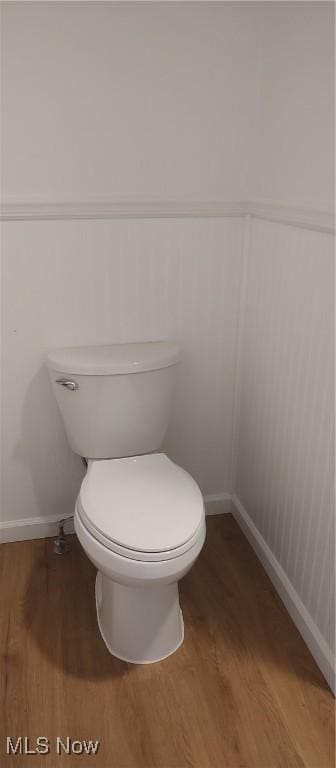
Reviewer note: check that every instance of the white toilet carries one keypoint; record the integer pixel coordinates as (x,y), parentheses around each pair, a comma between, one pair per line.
(139,517)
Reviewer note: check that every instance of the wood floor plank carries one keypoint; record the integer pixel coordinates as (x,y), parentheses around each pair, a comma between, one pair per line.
(242,692)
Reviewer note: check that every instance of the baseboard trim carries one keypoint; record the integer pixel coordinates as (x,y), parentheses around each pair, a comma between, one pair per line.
(293,603)
(31,528)
(218,503)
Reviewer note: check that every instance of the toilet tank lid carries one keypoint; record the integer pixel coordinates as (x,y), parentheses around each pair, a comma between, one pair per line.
(114,359)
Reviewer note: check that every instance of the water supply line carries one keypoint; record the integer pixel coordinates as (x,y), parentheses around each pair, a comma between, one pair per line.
(62,543)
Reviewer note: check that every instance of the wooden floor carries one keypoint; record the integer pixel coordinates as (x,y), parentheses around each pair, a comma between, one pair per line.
(242,692)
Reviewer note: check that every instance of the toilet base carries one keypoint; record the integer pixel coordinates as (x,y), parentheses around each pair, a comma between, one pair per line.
(140,625)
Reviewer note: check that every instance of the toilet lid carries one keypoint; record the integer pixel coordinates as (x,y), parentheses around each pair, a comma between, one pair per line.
(144,503)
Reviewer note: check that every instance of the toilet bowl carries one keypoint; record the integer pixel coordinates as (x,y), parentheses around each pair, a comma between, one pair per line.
(139,551)
(139,516)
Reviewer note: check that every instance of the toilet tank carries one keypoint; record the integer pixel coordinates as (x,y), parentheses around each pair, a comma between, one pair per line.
(114,400)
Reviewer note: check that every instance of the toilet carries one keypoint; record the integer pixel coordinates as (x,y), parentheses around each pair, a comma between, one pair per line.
(138,516)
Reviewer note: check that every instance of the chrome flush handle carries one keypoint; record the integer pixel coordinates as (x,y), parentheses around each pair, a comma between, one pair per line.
(68,384)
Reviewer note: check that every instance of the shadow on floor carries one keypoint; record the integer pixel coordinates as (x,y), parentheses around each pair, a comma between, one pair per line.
(60,613)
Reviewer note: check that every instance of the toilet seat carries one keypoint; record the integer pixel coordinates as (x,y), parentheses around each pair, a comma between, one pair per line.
(131,554)
(142,508)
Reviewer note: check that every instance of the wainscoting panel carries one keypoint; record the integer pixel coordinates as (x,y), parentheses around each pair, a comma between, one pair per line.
(285,430)
(83,282)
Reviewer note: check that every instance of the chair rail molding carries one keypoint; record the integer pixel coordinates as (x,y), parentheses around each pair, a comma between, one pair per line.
(120,209)
(322,220)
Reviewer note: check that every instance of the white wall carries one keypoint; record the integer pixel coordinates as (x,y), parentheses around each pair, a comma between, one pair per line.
(285,417)
(113,101)
(178,101)
(295,128)
(285,452)
(127,100)
(68,283)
